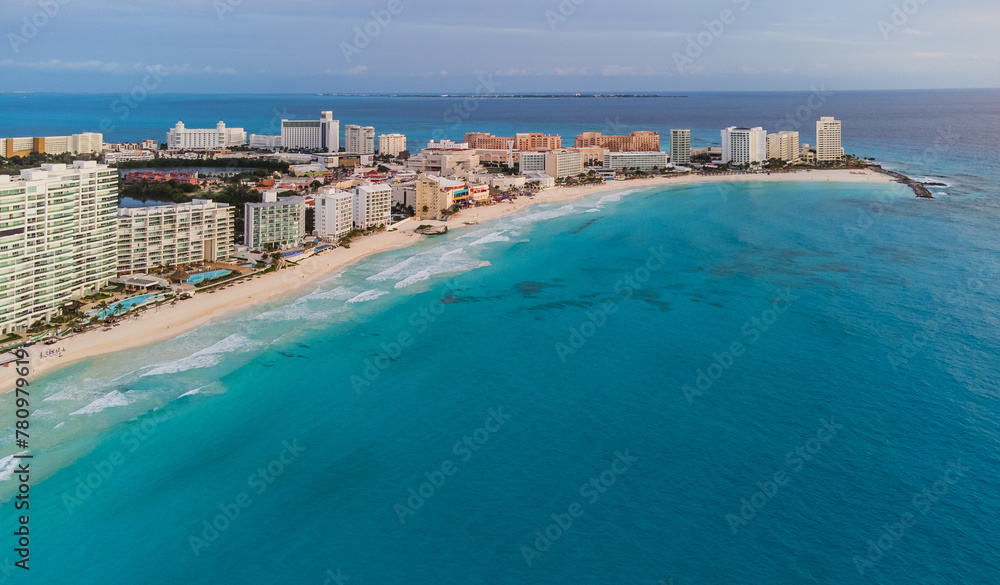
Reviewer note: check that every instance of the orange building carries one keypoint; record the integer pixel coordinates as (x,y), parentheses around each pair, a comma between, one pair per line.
(521,141)
(643,141)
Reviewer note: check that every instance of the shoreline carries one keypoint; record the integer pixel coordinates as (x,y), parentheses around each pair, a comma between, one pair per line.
(169,322)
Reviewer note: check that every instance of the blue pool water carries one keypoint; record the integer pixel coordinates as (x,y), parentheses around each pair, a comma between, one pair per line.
(200,278)
(122,307)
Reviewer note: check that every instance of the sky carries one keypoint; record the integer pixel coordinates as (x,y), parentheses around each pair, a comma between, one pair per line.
(498,46)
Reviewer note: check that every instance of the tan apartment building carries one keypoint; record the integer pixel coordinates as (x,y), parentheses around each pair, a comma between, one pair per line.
(642,141)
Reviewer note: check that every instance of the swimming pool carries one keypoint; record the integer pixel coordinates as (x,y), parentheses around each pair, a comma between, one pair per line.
(125,306)
(200,278)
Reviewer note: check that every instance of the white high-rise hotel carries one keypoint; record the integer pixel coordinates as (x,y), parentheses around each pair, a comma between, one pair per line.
(680,147)
(359,139)
(322,135)
(58,228)
(743,146)
(828,140)
(218,138)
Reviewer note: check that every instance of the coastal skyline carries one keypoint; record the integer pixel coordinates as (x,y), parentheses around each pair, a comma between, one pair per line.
(564,46)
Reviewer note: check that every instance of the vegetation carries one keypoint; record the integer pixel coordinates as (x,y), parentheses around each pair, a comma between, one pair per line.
(168,191)
(226,163)
(15,164)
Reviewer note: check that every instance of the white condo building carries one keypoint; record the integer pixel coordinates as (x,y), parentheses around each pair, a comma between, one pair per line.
(168,235)
(555,163)
(334,213)
(391,144)
(321,135)
(744,146)
(784,146)
(828,140)
(57,239)
(644,161)
(274,222)
(218,138)
(680,147)
(372,206)
(265,142)
(359,139)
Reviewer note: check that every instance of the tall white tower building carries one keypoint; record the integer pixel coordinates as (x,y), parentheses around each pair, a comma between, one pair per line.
(828,140)
(743,146)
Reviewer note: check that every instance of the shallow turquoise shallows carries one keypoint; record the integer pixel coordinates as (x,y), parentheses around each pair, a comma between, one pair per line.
(752,383)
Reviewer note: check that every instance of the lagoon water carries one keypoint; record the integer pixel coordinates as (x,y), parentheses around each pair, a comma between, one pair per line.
(762,380)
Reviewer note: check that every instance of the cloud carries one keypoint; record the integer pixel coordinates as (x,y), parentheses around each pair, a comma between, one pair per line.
(110,67)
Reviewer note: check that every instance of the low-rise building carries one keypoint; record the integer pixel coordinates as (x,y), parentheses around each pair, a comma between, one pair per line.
(437,194)
(168,235)
(85,143)
(219,138)
(643,161)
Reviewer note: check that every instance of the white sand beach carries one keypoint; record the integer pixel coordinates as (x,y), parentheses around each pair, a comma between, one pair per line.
(170,321)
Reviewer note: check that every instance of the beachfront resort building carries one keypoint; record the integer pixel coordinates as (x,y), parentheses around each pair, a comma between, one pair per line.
(218,138)
(555,163)
(57,239)
(437,194)
(680,148)
(320,135)
(372,206)
(643,141)
(334,213)
(86,143)
(828,140)
(744,146)
(168,235)
(359,139)
(391,144)
(520,141)
(644,161)
(784,146)
(444,158)
(274,222)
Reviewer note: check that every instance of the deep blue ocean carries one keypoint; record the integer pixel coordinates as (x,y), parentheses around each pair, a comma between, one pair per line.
(746,383)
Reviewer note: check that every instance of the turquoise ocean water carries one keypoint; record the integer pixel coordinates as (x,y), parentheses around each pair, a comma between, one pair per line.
(749,383)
